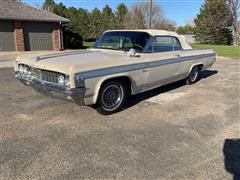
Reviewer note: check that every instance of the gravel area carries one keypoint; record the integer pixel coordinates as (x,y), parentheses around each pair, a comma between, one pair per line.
(172,132)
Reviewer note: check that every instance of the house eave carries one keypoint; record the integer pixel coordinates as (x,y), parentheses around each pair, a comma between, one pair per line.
(34,20)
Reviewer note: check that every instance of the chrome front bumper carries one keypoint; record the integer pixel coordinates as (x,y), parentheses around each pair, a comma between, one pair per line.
(75,94)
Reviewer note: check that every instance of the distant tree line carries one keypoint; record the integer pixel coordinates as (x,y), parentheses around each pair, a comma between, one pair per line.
(216,23)
(89,25)
(187,29)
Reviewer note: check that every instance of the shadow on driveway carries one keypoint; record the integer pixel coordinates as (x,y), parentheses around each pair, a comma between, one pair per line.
(133,100)
(231,151)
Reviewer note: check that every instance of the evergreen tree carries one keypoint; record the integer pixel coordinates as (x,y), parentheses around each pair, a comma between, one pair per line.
(213,23)
(83,23)
(86,25)
(95,24)
(107,19)
(72,32)
(48,5)
(121,14)
(59,9)
(78,21)
(72,15)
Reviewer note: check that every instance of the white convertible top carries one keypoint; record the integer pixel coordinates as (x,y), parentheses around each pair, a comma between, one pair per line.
(156,32)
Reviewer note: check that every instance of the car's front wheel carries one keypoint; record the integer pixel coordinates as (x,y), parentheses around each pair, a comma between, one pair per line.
(111,97)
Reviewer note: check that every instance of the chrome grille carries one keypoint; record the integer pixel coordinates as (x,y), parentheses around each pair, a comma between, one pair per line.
(45,75)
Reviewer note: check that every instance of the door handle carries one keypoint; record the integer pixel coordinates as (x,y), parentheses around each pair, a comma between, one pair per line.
(177,55)
(145,70)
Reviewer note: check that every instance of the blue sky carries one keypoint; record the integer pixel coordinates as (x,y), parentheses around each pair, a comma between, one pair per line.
(180,11)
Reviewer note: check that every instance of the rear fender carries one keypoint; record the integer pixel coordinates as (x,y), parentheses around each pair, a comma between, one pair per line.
(195,64)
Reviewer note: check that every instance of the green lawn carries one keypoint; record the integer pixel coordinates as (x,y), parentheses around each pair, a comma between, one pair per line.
(222,50)
(87,44)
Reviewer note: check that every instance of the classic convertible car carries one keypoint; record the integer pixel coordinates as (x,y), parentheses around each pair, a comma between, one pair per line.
(120,63)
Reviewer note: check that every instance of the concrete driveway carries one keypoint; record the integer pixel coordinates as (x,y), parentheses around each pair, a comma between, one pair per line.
(173,132)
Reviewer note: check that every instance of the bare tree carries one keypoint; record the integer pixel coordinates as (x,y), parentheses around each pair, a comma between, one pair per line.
(135,18)
(234,7)
(190,22)
(165,24)
(138,17)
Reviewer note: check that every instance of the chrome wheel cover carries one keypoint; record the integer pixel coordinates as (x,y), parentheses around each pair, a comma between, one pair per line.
(112,97)
(193,76)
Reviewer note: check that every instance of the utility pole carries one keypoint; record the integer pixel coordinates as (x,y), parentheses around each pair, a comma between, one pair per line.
(150,15)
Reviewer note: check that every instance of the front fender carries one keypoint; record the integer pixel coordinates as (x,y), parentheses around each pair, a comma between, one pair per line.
(93,86)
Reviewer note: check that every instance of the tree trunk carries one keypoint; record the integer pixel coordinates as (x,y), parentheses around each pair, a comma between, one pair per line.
(234,6)
(235,31)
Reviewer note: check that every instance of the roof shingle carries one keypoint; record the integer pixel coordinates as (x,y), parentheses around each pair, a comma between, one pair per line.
(15,10)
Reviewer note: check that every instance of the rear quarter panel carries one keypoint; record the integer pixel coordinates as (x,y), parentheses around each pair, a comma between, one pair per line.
(191,58)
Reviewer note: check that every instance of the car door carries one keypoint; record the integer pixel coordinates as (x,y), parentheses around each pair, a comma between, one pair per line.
(163,58)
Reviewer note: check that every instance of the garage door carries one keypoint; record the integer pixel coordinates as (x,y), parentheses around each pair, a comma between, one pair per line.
(7,38)
(38,36)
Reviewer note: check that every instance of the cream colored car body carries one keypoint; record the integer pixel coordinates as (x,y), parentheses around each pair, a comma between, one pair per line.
(145,70)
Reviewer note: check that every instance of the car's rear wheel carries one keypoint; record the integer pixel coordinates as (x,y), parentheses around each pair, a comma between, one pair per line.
(192,77)
(112,96)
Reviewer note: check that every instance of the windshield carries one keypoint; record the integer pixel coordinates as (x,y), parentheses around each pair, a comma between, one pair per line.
(121,40)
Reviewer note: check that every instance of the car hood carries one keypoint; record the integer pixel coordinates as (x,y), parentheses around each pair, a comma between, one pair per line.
(76,61)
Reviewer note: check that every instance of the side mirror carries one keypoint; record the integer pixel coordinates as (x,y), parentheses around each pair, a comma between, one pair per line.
(131,53)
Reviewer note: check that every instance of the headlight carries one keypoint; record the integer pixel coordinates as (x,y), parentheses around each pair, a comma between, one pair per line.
(67,81)
(24,69)
(63,80)
(21,68)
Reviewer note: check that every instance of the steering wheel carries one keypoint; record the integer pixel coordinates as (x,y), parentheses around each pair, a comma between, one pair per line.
(138,47)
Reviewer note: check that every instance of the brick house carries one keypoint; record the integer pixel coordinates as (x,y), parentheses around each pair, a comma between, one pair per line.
(25,28)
